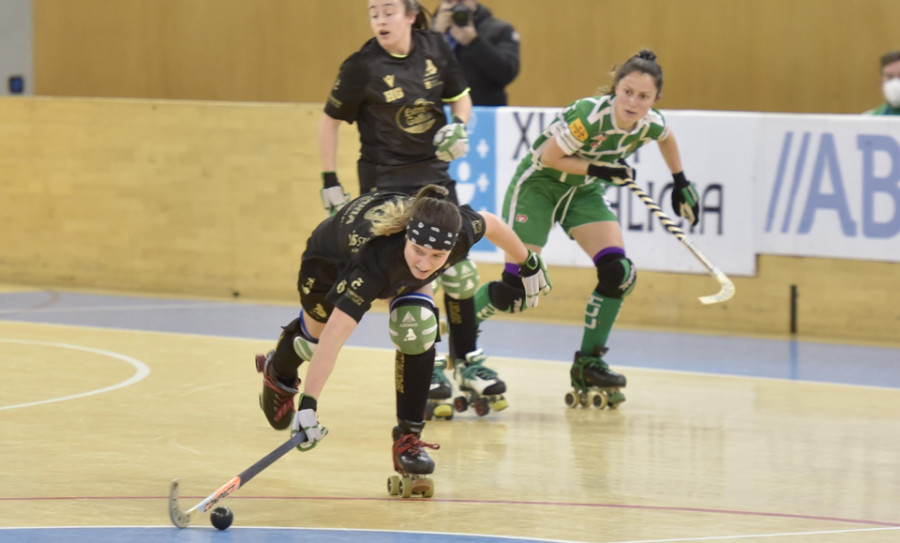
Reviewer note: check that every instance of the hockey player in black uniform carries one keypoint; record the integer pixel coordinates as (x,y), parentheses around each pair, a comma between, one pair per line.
(395,88)
(380,246)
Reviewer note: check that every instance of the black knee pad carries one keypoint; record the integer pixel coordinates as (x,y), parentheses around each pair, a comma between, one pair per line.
(508,294)
(616,275)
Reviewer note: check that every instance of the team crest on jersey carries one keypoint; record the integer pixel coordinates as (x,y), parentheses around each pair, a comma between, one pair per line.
(432,77)
(430,68)
(520,217)
(578,130)
(417,118)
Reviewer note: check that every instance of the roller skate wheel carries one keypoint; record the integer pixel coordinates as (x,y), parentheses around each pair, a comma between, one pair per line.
(597,399)
(260,362)
(428,492)
(482,407)
(571,399)
(443,411)
(460,403)
(499,405)
(405,487)
(583,399)
(393,485)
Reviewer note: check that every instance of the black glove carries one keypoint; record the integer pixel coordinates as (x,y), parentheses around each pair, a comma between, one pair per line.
(684,199)
(617,173)
(333,195)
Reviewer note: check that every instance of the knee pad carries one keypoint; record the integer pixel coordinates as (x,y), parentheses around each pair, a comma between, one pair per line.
(460,281)
(413,323)
(302,342)
(616,275)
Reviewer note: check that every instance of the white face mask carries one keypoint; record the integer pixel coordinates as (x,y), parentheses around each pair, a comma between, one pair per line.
(891,89)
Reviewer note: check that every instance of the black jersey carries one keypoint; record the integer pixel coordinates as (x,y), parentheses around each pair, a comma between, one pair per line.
(370,267)
(398,103)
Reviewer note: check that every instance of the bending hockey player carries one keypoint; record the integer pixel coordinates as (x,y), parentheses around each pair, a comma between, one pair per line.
(379,246)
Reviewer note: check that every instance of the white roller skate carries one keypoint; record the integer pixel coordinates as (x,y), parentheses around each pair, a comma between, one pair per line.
(440,402)
(478,385)
(593,383)
(411,462)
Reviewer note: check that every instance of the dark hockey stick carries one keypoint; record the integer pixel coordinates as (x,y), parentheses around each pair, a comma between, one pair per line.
(182,519)
(726,290)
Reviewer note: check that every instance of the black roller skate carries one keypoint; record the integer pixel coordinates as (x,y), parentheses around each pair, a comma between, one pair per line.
(277,396)
(479,385)
(411,462)
(593,383)
(440,404)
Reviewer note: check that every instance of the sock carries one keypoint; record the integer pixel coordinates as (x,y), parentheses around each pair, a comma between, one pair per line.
(412,375)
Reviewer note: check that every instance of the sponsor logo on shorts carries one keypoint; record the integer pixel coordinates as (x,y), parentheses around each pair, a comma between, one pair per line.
(521,218)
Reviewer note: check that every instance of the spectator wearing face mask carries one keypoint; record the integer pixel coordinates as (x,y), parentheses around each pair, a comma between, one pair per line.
(890,85)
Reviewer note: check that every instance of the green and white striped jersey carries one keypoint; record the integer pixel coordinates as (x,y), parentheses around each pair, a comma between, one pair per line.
(587,128)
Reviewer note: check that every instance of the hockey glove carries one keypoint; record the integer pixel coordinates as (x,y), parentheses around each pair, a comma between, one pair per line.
(305,419)
(616,173)
(333,195)
(451,140)
(535,278)
(684,199)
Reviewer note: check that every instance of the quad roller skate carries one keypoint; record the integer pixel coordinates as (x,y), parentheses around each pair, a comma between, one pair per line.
(440,404)
(479,385)
(277,398)
(593,383)
(411,462)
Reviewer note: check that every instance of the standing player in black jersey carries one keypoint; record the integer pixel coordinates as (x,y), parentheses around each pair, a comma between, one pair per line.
(395,88)
(382,245)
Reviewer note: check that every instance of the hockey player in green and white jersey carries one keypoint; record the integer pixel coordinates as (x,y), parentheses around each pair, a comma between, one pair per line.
(562,180)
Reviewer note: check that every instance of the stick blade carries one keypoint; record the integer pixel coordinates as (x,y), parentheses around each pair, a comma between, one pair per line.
(179,518)
(725,293)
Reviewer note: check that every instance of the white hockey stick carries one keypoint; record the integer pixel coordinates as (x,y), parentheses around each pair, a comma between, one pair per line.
(726,287)
(182,519)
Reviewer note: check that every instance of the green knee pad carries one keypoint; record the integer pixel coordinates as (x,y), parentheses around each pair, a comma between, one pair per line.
(460,281)
(413,323)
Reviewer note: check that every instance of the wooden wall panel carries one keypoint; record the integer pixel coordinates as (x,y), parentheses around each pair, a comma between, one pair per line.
(740,55)
(208,199)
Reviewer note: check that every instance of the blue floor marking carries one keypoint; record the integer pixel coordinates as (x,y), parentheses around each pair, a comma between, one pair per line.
(119,534)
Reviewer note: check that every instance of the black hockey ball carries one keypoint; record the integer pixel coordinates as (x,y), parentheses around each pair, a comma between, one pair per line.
(221,518)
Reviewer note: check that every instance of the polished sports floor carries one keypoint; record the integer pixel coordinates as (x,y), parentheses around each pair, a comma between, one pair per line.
(107,398)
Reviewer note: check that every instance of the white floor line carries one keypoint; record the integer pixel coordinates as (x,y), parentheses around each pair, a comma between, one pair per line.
(142,370)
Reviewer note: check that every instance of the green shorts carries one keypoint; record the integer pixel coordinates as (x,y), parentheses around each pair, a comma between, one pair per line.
(535,201)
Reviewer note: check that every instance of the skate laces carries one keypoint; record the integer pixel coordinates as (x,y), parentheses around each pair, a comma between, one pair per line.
(412,444)
(284,395)
(437,374)
(473,367)
(476,370)
(592,362)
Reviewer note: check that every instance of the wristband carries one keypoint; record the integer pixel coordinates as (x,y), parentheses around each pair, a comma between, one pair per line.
(307,402)
(329,179)
(680,180)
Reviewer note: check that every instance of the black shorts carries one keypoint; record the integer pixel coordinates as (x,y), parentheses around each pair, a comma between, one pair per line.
(314,281)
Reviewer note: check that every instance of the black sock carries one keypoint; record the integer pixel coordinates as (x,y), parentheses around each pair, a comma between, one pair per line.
(413,380)
(463,326)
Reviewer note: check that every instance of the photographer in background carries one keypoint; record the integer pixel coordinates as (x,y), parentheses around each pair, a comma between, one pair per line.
(486,48)
(890,85)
